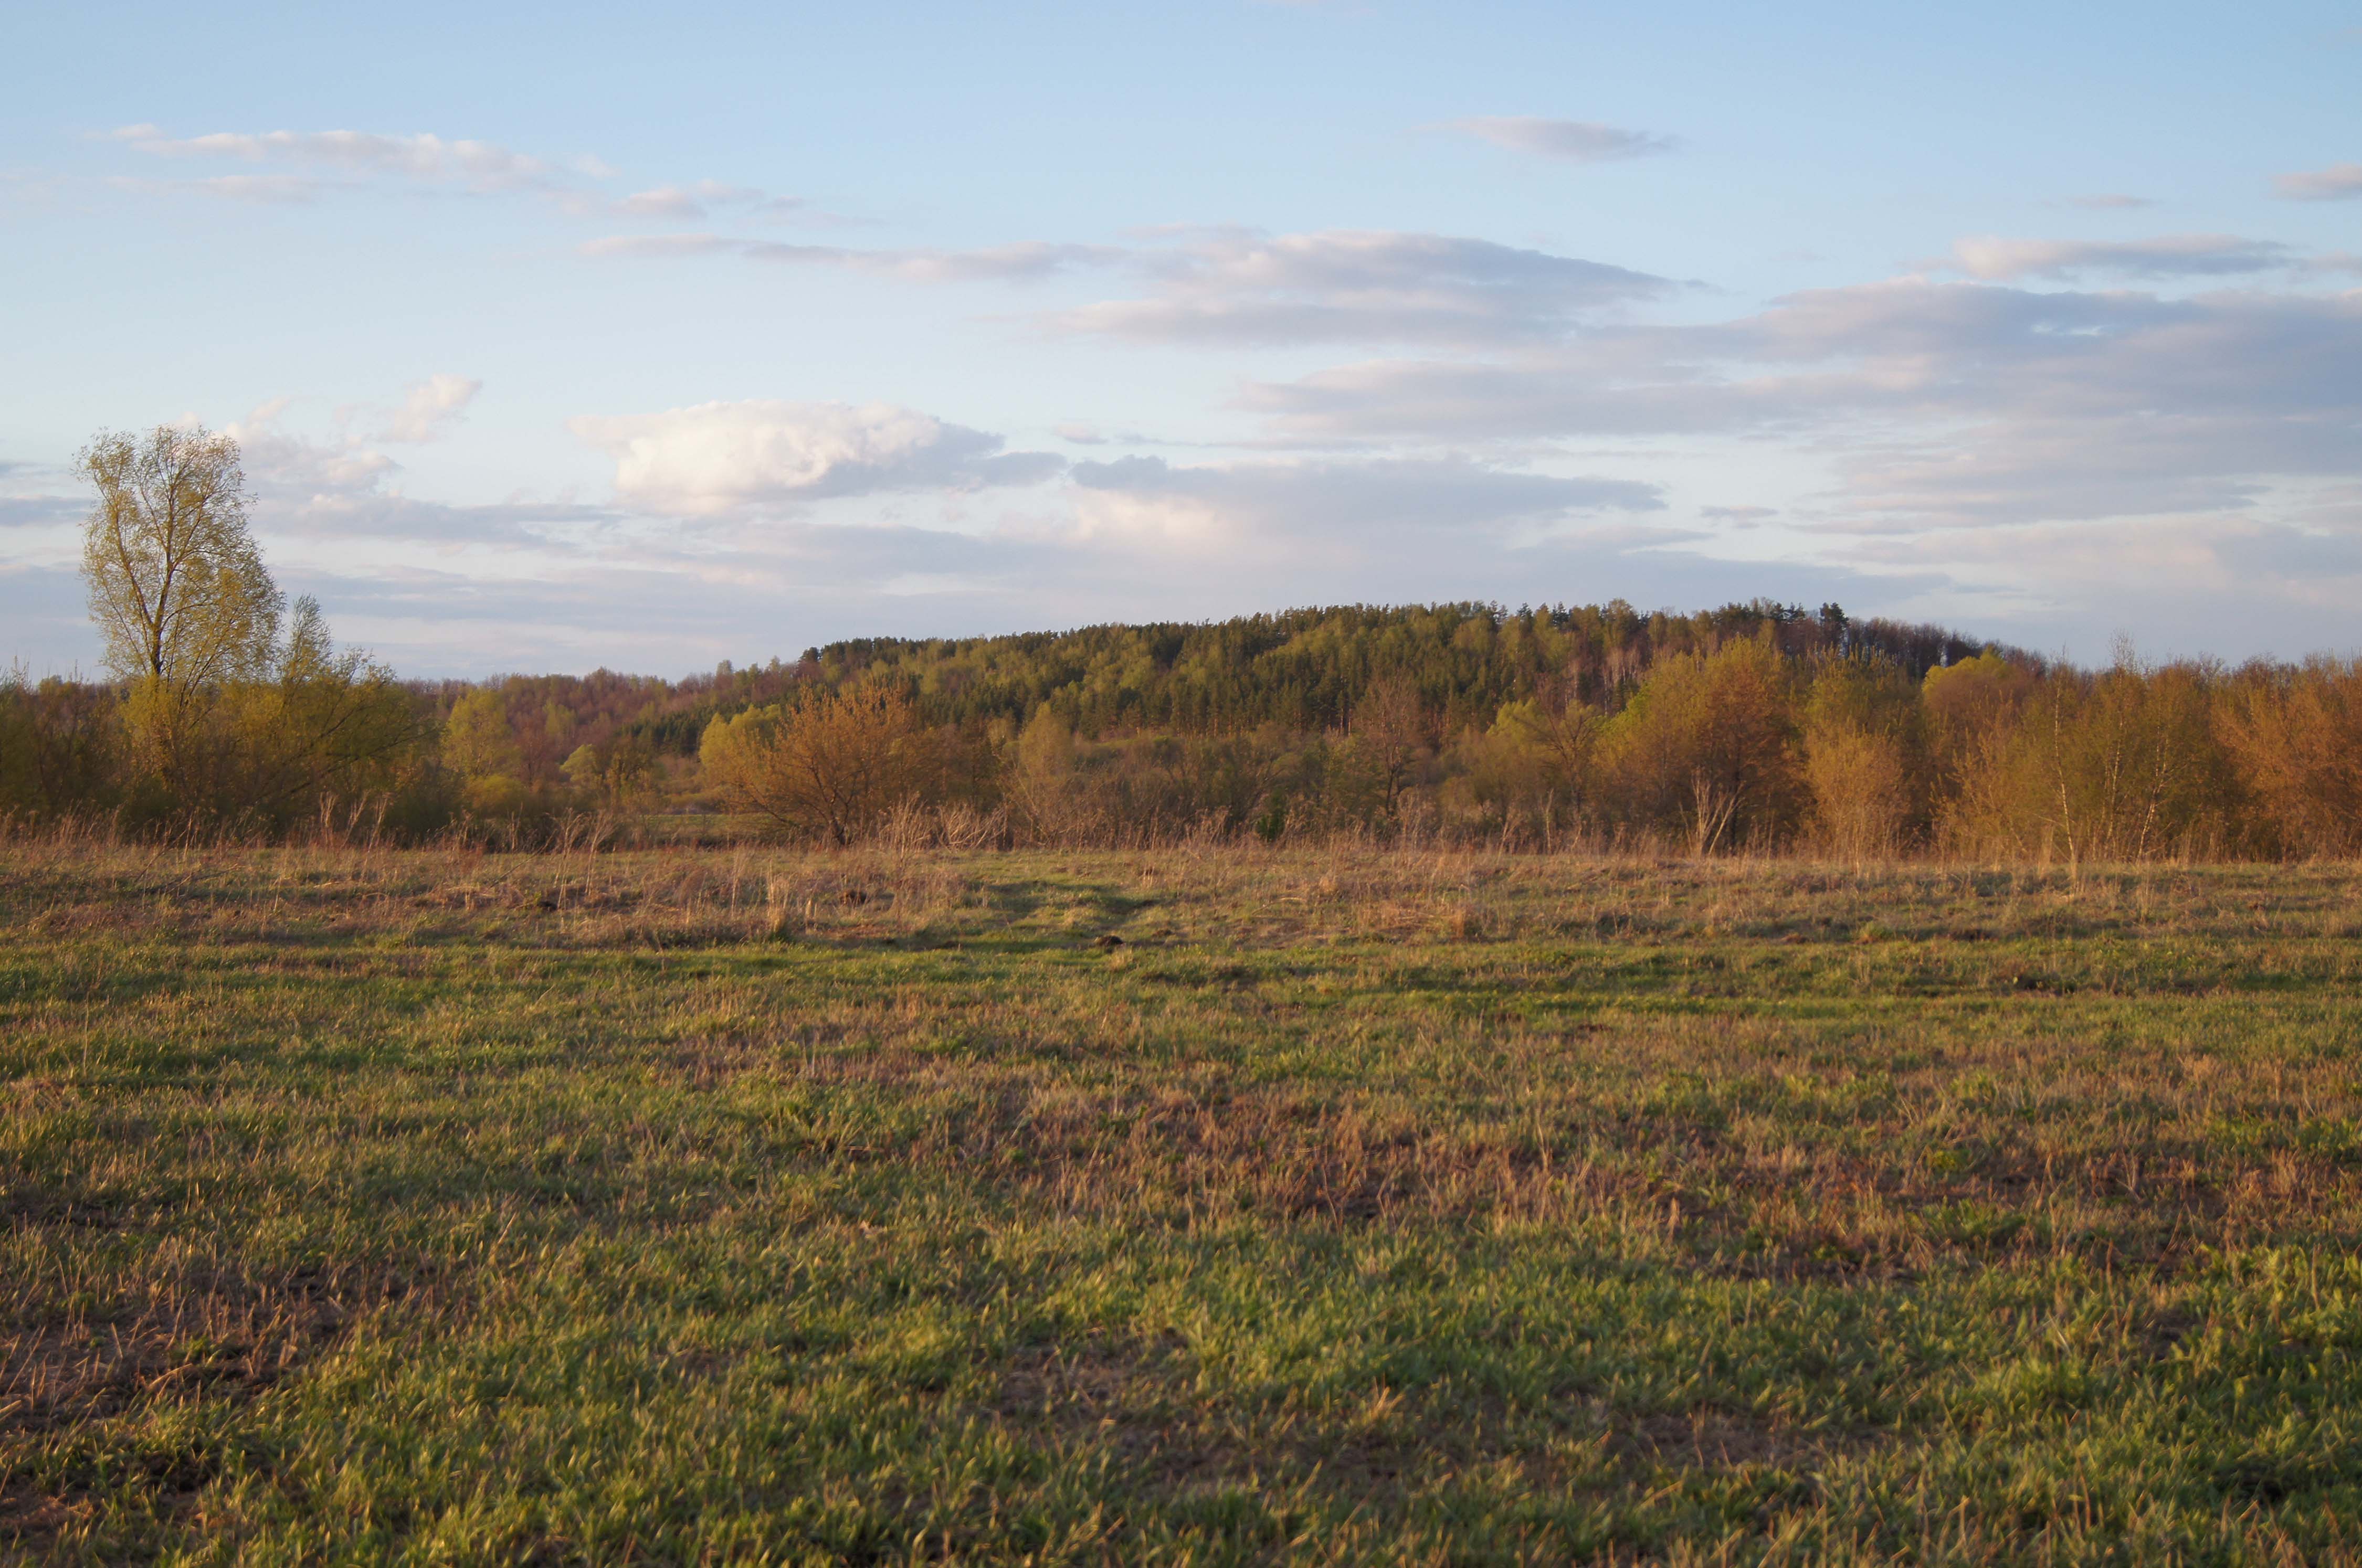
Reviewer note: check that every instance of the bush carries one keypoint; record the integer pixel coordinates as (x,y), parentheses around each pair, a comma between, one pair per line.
(829,765)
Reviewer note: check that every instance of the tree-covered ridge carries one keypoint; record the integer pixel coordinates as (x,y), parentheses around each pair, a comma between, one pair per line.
(1308,669)
(1299,669)
(1755,725)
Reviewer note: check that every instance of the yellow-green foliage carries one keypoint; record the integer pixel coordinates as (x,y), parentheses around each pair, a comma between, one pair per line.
(2125,765)
(1708,749)
(1866,757)
(831,765)
(177,585)
(479,746)
(1532,764)
(259,753)
(2295,735)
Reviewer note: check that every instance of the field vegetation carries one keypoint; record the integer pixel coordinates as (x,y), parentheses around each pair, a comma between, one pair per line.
(1216,1202)
(1442,1083)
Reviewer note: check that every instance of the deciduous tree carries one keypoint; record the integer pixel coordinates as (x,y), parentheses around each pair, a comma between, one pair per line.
(830,765)
(177,586)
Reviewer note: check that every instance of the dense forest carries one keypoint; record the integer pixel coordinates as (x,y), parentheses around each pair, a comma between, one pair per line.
(1755,727)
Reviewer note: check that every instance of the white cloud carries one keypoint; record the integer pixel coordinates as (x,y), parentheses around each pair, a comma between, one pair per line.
(1576,141)
(344,488)
(2109,202)
(2167,256)
(2339,181)
(282,467)
(719,457)
(430,407)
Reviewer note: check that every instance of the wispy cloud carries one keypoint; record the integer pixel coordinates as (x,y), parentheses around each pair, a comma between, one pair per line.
(1575,141)
(701,198)
(274,189)
(665,246)
(1936,404)
(1239,288)
(2109,202)
(480,165)
(1284,508)
(431,408)
(1021,262)
(2168,256)
(321,163)
(2339,181)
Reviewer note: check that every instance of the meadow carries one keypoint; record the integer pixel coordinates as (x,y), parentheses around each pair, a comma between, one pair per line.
(1198,1205)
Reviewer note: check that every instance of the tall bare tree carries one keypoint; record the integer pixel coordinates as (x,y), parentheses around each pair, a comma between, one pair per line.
(176,585)
(1393,722)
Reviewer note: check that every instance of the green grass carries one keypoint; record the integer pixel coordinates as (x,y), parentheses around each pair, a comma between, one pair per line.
(737,1207)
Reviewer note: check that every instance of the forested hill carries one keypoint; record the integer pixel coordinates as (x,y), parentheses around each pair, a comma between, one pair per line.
(1305,669)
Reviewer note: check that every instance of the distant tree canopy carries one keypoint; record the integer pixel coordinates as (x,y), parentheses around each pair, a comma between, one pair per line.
(1309,669)
(1758,725)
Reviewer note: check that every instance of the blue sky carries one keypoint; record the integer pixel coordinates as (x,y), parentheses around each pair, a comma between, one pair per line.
(576,337)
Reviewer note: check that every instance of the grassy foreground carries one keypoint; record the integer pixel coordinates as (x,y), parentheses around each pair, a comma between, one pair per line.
(742,1207)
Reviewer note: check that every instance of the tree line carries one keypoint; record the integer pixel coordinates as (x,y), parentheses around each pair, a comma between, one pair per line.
(1759,727)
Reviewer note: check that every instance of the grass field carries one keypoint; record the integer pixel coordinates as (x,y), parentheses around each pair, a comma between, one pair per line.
(747,1207)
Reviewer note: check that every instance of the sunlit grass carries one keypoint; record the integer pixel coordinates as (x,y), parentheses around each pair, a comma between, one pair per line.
(740,1206)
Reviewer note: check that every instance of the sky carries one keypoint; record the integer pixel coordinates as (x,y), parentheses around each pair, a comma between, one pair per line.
(562,337)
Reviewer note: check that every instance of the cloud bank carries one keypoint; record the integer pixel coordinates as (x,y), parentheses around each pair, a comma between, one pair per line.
(1240,288)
